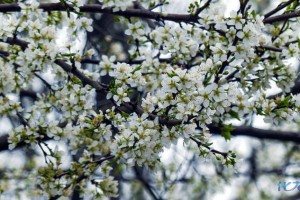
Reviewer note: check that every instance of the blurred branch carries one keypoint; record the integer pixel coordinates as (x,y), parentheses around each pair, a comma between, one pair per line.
(138,5)
(4,142)
(28,93)
(148,187)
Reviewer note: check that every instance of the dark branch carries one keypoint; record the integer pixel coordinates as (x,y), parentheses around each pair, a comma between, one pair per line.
(278,8)
(283,17)
(142,13)
(28,93)
(84,79)
(4,143)
(68,68)
(138,5)
(283,136)
(214,151)
(199,10)
(265,47)
(97,8)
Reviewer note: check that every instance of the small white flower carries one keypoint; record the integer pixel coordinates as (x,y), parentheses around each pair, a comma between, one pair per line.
(85,23)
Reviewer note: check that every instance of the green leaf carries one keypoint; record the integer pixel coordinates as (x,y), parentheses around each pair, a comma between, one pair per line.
(285,101)
(112,84)
(253,14)
(171,74)
(259,111)
(151,4)
(226,72)
(226,131)
(137,69)
(124,114)
(203,152)
(234,114)
(206,80)
(68,54)
(207,144)
(116,19)
(138,99)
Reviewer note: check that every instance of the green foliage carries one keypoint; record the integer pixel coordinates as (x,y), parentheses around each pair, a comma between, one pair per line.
(226,131)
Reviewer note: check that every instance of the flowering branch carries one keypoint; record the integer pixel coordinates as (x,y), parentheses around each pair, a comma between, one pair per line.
(282,136)
(143,13)
(179,79)
(68,68)
(97,8)
(214,151)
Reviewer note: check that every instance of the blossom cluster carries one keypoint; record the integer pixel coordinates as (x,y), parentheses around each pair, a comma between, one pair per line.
(179,79)
(117,5)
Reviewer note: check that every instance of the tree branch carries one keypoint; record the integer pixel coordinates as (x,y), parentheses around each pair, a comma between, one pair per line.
(142,13)
(146,184)
(84,79)
(282,17)
(4,142)
(199,10)
(283,136)
(68,68)
(278,8)
(265,47)
(28,93)
(97,8)
(138,5)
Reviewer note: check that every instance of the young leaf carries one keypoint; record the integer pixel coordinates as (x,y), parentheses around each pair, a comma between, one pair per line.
(226,131)
(234,114)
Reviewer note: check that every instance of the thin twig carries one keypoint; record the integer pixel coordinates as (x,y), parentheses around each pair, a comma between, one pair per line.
(278,8)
